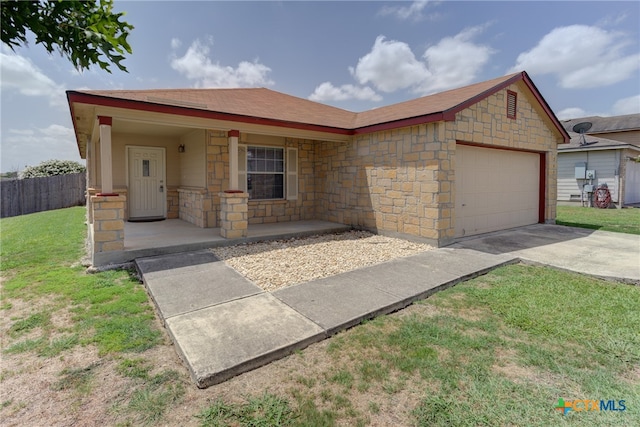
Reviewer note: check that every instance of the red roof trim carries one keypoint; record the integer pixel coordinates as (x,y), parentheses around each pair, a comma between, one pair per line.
(545,107)
(105,120)
(542,188)
(105,101)
(447,115)
(412,121)
(479,97)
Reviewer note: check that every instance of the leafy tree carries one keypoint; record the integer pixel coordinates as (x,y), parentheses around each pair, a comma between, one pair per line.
(82,31)
(53,167)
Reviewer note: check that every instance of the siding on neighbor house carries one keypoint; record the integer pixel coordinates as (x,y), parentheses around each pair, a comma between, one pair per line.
(606,163)
(631,137)
(630,170)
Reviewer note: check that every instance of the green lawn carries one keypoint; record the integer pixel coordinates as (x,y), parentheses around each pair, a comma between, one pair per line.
(620,220)
(501,349)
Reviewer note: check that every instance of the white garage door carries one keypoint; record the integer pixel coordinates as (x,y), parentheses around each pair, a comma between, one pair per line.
(495,189)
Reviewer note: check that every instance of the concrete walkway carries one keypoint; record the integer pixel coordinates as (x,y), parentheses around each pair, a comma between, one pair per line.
(223,325)
(604,254)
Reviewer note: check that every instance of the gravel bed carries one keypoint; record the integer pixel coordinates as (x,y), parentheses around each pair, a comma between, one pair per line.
(280,263)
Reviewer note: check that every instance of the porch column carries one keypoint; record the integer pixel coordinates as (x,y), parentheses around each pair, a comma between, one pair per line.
(234,214)
(106,173)
(233,159)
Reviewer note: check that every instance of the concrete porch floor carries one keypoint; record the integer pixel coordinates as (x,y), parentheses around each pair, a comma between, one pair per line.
(145,239)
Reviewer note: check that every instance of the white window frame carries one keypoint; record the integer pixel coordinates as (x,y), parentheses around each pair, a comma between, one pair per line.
(290,170)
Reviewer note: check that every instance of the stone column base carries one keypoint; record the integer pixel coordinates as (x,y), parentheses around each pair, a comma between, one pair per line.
(234,214)
(108,223)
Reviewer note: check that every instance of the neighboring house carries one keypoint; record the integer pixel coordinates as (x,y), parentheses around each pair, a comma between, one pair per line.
(618,128)
(467,161)
(613,163)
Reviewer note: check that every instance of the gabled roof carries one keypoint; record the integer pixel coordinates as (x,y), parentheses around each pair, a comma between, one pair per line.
(606,124)
(594,143)
(249,102)
(268,107)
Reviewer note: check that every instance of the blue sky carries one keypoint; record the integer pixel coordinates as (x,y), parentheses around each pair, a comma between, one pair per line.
(583,56)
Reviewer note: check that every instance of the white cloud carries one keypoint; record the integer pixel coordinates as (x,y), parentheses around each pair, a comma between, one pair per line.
(455,61)
(630,105)
(28,147)
(413,11)
(21,131)
(19,73)
(452,62)
(176,43)
(57,131)
(390,66)
(196,65)
(328,92)
(580,57)
(572,113)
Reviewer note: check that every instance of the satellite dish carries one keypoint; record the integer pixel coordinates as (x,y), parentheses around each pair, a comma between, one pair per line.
(581,128)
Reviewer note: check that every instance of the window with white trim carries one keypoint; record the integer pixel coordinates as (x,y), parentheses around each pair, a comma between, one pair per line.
(268,173)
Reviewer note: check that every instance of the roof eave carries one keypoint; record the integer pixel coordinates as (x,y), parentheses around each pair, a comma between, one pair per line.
(592,148)
(546,107)
(106,101)
(411,121)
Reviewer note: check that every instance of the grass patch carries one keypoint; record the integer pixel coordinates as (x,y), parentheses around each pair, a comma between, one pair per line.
(134,368)
(78,379)
(151,396)
(39,254)
(619,220)
(151,403)
(497,350)
(264,410)
(22,326)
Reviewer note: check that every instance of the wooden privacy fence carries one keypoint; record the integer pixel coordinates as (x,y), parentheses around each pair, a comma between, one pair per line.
(25,196)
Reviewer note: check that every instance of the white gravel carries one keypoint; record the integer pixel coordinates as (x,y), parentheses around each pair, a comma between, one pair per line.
(280,263)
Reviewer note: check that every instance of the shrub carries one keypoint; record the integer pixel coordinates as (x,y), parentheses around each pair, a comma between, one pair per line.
(53,167)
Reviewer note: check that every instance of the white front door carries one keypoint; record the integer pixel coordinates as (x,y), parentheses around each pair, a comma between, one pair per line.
(146,182)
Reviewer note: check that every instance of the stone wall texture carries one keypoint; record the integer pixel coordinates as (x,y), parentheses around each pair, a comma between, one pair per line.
(108,223)
(400,181)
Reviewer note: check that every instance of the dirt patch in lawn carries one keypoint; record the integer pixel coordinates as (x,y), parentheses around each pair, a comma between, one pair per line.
(80,387)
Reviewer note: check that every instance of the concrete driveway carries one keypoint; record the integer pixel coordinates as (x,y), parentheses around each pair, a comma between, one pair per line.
(598,253)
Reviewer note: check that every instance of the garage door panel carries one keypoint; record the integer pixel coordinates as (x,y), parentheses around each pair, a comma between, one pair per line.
(495,189)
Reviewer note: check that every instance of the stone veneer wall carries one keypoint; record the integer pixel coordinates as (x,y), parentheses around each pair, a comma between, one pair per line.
(486,123)
(262,211)
(217,152)
(195,206)
(108,223)
(403,181)
(93,191)
(303,208)
(173,203)
(383,181)
(233,215)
